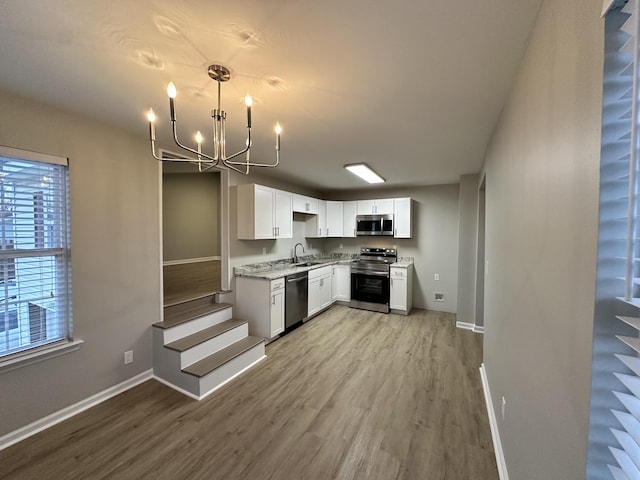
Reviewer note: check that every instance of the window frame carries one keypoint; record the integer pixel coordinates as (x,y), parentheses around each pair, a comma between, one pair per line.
(61,258)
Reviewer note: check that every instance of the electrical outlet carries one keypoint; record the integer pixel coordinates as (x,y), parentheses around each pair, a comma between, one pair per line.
(264,250)
(341,246)
(504,406)
(436,276)
(128,357)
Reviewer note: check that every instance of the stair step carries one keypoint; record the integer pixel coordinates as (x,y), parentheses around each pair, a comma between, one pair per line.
(202,336)
(171,319)
(209,364)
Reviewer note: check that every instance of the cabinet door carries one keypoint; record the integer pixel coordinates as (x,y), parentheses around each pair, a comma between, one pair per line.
(314,305)
(349,219)
(283,215)
(334,219)
(384,205)
(322,219)
(341,283)
(402,218)
(255,205)
(398,293)
(325,291)
(365,207)
(305,204)
(277,312)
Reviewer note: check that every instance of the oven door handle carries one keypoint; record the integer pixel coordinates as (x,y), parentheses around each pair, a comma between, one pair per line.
(369,272)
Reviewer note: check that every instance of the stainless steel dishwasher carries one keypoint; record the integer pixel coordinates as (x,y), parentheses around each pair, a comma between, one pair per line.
(296,298)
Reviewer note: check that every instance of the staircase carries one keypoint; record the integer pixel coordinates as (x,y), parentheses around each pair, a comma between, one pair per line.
(200,346)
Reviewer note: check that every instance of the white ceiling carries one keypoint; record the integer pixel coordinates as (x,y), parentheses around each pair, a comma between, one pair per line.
(412,87)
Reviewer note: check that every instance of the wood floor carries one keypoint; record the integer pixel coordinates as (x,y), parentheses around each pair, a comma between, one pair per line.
(186,281)
(349,395)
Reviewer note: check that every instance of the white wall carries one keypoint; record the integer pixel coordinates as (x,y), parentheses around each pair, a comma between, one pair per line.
(542,171)
(115,258)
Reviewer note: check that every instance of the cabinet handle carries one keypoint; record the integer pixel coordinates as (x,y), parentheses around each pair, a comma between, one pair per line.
(273,299)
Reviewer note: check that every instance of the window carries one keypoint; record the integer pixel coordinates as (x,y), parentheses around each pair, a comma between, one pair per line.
(35,287)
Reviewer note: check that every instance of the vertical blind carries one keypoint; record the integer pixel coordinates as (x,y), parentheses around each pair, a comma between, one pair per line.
(34,258)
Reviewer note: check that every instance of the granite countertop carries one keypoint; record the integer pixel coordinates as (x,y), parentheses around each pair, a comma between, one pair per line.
(281,268)
(403,262)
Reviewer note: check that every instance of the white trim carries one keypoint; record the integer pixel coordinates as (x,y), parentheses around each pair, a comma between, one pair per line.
(606,5)
(478,329)
(495,434)
(19,153)
(68,412)
(201,397)
(40,355)
(465,326)
(176,388)
(190,260)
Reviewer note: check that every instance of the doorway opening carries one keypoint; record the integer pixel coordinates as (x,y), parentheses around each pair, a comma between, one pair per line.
(194,241)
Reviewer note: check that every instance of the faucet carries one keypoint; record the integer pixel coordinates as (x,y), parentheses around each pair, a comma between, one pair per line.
(295,256)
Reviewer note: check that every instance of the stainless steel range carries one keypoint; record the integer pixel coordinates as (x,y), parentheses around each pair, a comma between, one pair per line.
(370,279)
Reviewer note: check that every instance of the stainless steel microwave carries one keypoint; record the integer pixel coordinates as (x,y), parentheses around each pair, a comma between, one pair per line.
(374,225)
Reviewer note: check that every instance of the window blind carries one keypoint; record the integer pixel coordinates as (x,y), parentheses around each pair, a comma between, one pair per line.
(34,252)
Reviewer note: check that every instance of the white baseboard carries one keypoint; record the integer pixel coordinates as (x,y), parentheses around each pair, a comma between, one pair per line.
(465,325)
(478,329)
(495,434)
(189,260)
(27,431)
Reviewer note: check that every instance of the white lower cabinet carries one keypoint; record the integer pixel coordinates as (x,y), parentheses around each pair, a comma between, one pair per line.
(401,290)
(341,283)
(261,303)
(320,294)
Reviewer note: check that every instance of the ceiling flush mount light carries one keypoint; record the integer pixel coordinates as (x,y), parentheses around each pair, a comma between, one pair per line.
(220,74)
(364,171)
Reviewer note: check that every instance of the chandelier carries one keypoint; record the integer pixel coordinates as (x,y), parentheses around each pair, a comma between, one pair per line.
(220,74)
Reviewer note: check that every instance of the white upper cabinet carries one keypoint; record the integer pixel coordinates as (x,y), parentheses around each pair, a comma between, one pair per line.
(402,218)
(334,219)
(315,226)
(349,219)
(304,204)
(380,206)
(283,214)
(263,213)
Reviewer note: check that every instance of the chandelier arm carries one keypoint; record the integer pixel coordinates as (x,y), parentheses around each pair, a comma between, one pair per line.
(209,159)
(246,171)
(250,164)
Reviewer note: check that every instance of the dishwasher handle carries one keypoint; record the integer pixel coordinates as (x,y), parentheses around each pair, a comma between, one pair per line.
(299,279)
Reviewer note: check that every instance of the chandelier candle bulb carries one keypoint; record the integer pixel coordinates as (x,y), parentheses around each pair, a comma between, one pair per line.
(151,116)
(171,91)
(248,102)
(278,131)
(199,142)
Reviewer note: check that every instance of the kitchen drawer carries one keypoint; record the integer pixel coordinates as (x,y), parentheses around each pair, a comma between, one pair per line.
(277,284)
(320,272)
(398,272)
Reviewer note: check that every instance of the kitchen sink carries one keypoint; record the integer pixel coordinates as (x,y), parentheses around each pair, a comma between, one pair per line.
(307,264)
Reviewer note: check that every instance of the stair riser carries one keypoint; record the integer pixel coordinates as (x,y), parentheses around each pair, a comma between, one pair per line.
(193,326)
(229,370)
(205,349)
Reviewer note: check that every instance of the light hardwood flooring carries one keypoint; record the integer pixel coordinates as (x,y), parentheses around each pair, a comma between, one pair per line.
(190,280)
(349,395)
